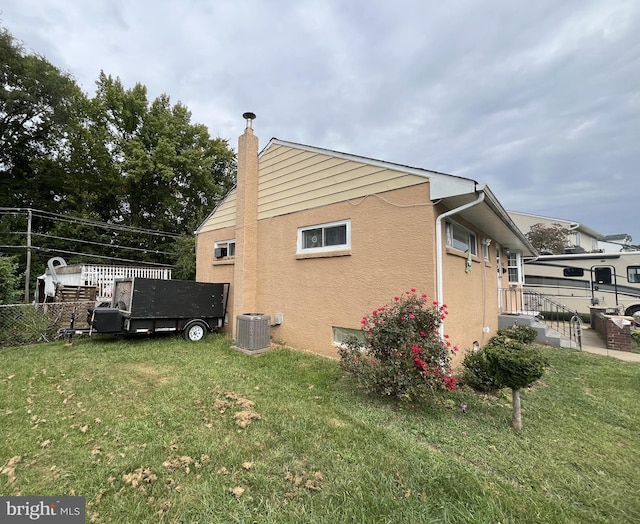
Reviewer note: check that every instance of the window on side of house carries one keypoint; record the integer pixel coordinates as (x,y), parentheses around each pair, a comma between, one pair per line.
(514,267)
(224,249)
(343,335)
(461,239)
(633,274)
(332,236)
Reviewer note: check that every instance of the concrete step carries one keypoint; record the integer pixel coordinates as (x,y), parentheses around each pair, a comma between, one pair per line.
(545,335)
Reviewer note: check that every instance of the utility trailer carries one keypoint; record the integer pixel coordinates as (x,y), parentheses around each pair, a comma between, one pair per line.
(148,306)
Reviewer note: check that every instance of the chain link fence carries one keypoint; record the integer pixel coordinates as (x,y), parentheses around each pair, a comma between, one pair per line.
(33,323)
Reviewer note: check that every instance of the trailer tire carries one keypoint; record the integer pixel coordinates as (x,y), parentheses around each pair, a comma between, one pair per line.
(196,331)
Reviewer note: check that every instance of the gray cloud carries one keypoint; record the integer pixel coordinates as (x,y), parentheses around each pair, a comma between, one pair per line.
(541,100)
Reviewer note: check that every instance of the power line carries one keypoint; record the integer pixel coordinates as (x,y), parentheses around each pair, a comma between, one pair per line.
(77,220)
(113,246)
(51,250)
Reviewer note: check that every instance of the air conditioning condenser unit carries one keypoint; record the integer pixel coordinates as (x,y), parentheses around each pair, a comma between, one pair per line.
(253,331)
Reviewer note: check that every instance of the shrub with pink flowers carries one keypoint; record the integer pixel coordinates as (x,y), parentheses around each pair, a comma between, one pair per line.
(401,353)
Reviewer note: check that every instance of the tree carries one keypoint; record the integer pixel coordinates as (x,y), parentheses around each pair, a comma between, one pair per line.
(37,106)
(548,239)
(507,361)
(516,368)
(112,158)
(9,281)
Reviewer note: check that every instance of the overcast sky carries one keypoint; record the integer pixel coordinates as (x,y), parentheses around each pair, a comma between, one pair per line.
(538,99)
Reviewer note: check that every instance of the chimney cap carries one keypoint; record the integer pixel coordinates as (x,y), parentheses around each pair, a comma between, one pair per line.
(249,116)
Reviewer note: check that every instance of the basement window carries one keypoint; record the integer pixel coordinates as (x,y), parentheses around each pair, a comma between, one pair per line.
(332,236)
(224,249)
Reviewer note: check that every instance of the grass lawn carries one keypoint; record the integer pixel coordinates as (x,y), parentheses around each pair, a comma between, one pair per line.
(161,430)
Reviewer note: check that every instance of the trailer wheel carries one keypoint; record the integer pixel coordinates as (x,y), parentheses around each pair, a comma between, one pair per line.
(196,331)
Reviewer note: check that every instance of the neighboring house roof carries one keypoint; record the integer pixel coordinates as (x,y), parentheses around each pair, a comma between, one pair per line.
(624,237)
(569,224)
(450,190)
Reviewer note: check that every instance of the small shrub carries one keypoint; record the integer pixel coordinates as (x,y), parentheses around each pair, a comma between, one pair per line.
(402,354)
(479,368)
(506,361)
(516,369)
(524,334)
(476,372)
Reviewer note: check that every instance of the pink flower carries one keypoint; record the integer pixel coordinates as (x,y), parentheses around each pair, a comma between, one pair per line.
(422,334)
(450,383)
(456,349)
(363,321)
(446,336)
(375,312)
(396,298)
(416,349)
(413,289)
(411,315)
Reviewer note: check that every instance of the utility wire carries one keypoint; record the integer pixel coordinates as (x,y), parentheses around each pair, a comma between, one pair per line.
(113,246)
(68,218)
(51,250)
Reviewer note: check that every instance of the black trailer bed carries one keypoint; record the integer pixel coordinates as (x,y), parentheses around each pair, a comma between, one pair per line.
(139,298)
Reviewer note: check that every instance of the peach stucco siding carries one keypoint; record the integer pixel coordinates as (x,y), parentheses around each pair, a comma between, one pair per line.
(392,220)
(392,251)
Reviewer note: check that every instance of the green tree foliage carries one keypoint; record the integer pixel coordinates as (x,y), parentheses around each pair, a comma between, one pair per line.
(37,106)
(548,239)
(185,267)
(9,281)
(507,361)
(113,157)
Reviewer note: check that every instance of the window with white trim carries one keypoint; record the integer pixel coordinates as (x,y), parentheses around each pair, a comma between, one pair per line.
(332,236)
(224,249)
(461,239)
(514,267)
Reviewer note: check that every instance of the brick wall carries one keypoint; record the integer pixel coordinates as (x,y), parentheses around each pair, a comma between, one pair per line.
(615,329)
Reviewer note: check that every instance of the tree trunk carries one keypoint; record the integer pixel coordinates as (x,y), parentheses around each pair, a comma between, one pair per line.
(516,417)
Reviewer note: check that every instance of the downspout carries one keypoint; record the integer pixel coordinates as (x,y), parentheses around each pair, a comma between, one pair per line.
(439,278)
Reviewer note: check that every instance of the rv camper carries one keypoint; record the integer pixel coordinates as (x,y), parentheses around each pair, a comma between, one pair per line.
(582,280)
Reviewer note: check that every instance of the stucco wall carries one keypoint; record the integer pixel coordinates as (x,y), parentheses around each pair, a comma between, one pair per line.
(392,250)
(471,296)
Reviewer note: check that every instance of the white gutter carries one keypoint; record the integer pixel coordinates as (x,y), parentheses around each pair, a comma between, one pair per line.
(439,278)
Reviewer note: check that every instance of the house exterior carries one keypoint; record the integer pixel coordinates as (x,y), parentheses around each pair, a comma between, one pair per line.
(319,238)
(580,238)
